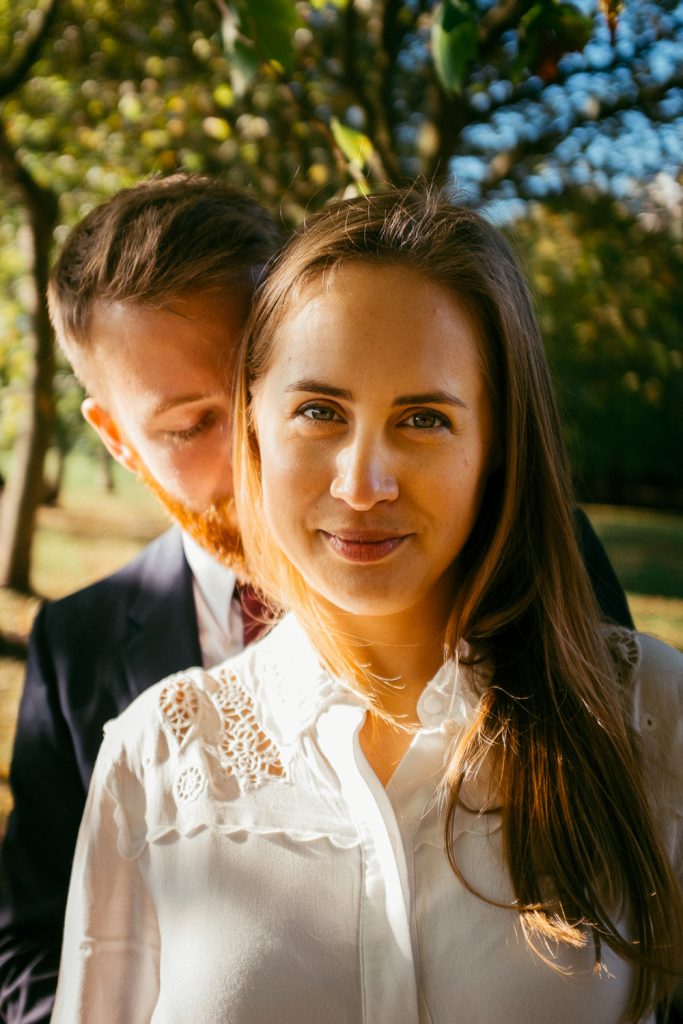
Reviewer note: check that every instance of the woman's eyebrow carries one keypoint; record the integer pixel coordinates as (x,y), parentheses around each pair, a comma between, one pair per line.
(424,398)
(430,398)
(308,384)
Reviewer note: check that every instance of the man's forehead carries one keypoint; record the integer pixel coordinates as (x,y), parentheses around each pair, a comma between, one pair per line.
(231,301)
(182,322)
(118,324)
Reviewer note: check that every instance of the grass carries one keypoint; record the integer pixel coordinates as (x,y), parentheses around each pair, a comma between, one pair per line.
(92,533)
(646,549)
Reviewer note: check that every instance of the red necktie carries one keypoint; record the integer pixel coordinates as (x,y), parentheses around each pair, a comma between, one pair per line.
(256,617)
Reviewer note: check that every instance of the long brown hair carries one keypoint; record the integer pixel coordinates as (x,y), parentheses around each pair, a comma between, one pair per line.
(552,728)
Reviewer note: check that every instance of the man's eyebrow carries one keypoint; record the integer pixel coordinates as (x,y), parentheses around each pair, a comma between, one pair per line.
(424,398)
(172,403)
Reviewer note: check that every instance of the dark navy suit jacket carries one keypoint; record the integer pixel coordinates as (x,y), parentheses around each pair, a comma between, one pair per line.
(90,655)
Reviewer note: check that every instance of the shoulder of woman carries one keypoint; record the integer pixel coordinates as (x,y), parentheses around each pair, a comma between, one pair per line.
(658,690)
(181,710)
(652,674)
(186,743)
(657,718)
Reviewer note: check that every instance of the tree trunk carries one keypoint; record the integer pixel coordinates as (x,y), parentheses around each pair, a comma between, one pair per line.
(106,470)
(52,484)
(25,483)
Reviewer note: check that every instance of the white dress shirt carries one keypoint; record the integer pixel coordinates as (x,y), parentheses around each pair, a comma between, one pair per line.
(219,613)
(240,863)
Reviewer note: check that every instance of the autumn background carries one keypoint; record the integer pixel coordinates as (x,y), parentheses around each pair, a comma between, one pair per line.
(562,121)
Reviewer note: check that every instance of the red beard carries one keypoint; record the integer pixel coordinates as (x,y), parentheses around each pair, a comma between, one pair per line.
(215,528)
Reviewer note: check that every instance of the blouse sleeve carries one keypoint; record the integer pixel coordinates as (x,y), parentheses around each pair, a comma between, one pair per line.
(110,954)
(658,718)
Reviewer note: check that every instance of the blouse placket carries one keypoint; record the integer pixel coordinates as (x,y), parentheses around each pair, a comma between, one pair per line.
(385,941)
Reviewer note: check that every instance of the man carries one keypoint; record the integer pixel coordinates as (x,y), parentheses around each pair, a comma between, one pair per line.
(147,300)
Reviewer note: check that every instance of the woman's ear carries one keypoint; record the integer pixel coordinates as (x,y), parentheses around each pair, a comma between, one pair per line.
(109,434)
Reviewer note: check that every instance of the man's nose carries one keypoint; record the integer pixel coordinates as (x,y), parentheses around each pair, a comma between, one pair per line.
(366,474)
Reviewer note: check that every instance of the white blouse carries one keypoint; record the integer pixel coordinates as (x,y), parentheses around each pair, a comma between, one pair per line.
(240,863)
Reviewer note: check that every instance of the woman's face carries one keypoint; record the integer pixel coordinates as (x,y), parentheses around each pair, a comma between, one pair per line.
(375,429)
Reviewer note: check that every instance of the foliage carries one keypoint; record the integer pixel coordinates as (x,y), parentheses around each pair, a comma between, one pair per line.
(14,358)
(610,287)
(304,101)
(516,99)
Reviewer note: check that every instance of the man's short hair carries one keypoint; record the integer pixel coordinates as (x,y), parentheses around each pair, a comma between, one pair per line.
(147,244)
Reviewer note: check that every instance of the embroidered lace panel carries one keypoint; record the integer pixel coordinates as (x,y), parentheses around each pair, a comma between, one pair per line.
(246,752)
(625,651)
(179,703)
(189,783)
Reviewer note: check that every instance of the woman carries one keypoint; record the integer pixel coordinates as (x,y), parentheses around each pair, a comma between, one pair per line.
(441,790)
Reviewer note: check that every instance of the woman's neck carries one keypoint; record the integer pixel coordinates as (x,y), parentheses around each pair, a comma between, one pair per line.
(402,652)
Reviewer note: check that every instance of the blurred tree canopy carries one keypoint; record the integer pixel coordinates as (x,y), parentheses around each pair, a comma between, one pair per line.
(610,298)
(296,100)
(303,101)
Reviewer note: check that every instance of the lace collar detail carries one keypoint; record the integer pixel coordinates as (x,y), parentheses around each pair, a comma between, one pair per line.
(449,699)
(295,688)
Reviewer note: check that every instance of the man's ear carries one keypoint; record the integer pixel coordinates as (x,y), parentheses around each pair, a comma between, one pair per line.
(110,435)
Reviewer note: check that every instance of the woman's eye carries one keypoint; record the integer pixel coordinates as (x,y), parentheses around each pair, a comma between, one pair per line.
(426,420)
(321,413)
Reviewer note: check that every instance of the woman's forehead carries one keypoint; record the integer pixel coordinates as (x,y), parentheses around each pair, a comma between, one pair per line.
(376,319)
(379,291)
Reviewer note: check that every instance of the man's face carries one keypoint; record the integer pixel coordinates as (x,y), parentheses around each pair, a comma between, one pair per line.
(163,397)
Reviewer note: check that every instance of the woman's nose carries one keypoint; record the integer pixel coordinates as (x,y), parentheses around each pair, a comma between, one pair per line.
(365,476)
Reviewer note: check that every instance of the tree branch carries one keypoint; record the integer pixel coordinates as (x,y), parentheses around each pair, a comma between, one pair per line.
(392,35)
(13,646)
(184,16)
(16,175)
(453,113)
(497,20)
(532,88)
(14,76)
(378,124)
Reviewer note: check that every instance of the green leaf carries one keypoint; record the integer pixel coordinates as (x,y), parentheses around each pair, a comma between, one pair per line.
(356,147)
(548,31)
(455,42)
(271,25)
(244,67)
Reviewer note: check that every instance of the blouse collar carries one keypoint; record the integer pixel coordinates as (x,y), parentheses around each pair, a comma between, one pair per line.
(297,688)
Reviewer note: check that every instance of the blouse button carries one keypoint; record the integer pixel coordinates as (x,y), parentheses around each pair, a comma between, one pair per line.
(433,704)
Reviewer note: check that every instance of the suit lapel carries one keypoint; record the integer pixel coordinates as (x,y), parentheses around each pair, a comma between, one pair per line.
(162,635)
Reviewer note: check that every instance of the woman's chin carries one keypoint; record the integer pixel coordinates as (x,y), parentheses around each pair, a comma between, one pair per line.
(366,604)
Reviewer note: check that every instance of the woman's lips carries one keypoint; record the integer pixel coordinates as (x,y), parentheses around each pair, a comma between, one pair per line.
(362,548)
